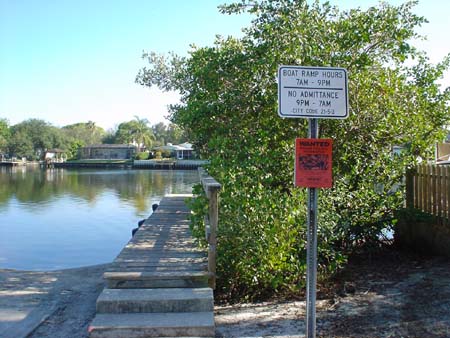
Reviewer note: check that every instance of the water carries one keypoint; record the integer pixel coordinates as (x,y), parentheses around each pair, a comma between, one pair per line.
(55,219)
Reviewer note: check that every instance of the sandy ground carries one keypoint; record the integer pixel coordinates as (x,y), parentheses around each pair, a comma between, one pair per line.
(48,304)
(390,296)
(414,305)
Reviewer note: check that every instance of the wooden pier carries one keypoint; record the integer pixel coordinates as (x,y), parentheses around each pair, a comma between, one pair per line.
(12,163)
(162,252)
(160,283)
(169,165)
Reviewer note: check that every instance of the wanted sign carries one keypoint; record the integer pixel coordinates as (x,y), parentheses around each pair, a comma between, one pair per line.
(313,163)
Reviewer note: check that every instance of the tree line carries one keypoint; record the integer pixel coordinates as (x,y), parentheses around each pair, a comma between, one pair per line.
(32,137)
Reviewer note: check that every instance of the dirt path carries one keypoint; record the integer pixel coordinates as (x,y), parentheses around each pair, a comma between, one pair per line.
(416,306)
(394,295)
(405,298)
(391,296)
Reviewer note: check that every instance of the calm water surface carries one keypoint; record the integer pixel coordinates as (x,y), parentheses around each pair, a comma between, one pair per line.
(54,219)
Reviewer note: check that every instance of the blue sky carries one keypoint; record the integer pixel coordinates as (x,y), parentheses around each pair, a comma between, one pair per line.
(68,61)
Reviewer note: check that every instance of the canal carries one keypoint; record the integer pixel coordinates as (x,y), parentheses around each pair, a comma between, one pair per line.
(60,218)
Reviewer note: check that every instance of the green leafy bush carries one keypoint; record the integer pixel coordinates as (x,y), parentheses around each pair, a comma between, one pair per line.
(229,109)
(142,155)
(166,154)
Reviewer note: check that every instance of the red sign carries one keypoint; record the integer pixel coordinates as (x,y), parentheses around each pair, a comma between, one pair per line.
(313,162)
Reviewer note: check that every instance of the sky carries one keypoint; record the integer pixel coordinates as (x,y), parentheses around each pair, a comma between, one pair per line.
(69,61)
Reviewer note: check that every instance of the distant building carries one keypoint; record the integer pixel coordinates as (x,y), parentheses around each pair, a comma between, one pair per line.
(55,155)
(183,151)
(107,152)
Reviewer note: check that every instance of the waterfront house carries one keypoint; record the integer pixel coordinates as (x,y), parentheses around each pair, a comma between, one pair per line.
(55,155)
(183,151)
(107,152)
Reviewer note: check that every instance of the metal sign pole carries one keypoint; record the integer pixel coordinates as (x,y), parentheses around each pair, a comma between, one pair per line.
(311,251)
(313,93)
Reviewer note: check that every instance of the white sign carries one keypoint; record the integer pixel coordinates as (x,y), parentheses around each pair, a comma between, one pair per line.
(312,92)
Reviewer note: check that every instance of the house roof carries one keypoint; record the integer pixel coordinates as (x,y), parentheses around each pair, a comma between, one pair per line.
(171,147)
(186,145)
(55,150)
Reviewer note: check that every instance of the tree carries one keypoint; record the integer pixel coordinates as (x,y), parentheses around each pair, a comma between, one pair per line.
(72,151)
(110,136)
(85,132)
(4,134)
(136,132)
(21,145)
(229,108)
(142,133)
(32,137)
(160,132)
(175,134)
(168,134)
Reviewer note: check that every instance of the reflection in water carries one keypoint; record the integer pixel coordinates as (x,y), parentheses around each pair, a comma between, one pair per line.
(51,219)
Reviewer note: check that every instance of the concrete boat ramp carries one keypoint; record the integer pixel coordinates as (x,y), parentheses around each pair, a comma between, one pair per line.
(158,286)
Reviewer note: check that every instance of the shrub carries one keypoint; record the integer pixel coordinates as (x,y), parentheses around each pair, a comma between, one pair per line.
(142,156)
(229,109)
(166,154)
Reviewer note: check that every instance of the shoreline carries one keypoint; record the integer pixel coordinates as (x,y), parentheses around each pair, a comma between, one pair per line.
(389,295)
(55,270)
(173,164)
(56,303)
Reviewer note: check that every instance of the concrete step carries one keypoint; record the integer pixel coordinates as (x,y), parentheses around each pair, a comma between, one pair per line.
(139,325)
(161,279)
(149,267)
(155,300)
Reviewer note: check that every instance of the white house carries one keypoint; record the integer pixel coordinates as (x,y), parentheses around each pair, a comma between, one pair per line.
(183,151)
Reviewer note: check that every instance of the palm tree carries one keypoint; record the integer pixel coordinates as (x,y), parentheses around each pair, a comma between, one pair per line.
(91,130)
(142,134)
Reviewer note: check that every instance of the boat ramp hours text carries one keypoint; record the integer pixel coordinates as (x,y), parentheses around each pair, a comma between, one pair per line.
(304,73)
(312,91)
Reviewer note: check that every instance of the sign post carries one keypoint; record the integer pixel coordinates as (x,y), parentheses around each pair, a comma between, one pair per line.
(313,93)
(311,248)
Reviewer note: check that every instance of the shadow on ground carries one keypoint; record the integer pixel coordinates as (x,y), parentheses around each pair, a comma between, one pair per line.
(48,304)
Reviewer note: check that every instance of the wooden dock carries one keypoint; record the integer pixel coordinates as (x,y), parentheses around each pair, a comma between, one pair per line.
(169,165)
(12,163)
(158,286)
